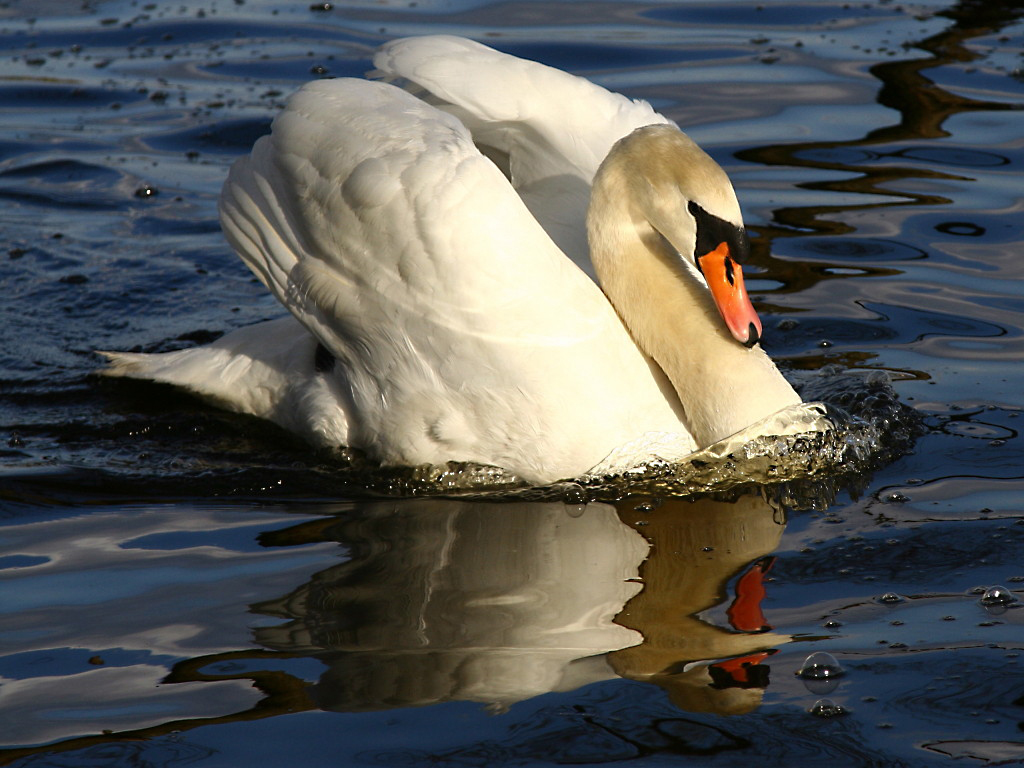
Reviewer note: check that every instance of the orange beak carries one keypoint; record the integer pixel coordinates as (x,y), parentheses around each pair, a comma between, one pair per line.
(725,279)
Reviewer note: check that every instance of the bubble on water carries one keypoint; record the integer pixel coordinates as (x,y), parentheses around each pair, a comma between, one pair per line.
(820,666)
(890,598)
(573,493)
(649,506)
(826,708)
(998,597)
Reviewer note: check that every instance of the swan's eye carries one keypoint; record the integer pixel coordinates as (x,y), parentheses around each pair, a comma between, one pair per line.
(712,231)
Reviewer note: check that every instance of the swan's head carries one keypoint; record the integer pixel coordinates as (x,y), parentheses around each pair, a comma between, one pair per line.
(677,190)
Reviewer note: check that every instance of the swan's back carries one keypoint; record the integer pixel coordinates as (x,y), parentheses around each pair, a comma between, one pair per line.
(460,330)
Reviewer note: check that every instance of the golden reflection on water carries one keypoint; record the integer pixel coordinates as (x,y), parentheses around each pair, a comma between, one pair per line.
(698,548)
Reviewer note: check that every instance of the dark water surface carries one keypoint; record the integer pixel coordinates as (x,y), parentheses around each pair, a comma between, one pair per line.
(181,586)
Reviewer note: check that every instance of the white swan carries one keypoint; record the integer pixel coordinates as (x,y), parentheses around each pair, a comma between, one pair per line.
(419,239)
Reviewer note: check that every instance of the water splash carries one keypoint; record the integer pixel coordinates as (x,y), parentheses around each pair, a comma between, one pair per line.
(869,427)
(227,454)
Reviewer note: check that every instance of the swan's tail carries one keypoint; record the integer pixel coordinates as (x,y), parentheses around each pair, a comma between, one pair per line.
(271,370)
(228,372)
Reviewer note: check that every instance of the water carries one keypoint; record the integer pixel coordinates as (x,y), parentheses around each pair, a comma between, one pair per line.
(184,586)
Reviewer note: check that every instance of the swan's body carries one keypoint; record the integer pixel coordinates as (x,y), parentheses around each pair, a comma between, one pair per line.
(435,316)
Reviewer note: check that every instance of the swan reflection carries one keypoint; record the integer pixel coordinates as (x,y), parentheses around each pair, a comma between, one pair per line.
(705,554)
(445,601)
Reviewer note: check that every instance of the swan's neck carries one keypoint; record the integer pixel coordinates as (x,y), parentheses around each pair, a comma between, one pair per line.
(723,386)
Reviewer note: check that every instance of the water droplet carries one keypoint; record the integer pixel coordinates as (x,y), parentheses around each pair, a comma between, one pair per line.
(820,666)
(998,596)
(826,708)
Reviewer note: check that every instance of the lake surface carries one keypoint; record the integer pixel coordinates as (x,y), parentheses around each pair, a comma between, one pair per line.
(182,586)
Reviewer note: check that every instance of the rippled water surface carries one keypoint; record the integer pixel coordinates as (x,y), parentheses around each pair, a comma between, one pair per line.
(182,586)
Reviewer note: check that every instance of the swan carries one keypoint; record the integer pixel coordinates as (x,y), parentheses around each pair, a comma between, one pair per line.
(433,231)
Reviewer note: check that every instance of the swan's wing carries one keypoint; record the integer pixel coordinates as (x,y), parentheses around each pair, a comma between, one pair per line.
(547,129)
(460,328)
